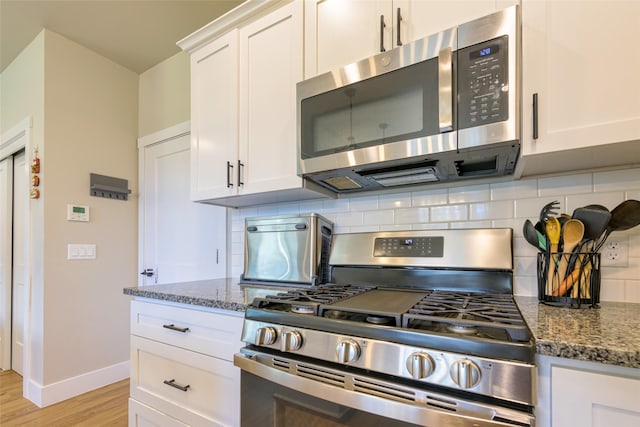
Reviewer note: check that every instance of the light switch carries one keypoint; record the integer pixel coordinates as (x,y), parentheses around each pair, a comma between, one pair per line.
(81,251)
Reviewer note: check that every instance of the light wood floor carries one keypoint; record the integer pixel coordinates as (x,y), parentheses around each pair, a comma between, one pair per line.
(106,406)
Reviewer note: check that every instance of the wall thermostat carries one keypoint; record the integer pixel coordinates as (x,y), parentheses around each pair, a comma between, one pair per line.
(77,213)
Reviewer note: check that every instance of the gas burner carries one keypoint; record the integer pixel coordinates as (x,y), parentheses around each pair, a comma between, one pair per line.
(379,320)
(462,329)
(302,309)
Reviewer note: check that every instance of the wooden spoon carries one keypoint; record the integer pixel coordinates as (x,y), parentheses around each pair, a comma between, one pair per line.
(572,234)
(552,228)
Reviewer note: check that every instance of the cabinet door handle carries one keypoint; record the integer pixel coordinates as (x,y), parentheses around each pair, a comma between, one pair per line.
(229,167)
(173,384)
(382,27)
(240,173)
(535,116)
(175,328)
(398,21)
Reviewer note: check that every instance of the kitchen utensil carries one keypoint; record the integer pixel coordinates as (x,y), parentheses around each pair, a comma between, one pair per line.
(552,228)
(572,234)
(531,234)
(548,211)
(623,217)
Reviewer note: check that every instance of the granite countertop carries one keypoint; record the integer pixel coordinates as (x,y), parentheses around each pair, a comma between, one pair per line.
(224,294)
(609,334)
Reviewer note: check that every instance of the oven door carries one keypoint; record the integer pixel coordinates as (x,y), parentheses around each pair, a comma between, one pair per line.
(284,392)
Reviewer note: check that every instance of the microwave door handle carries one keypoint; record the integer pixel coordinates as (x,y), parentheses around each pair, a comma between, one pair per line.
(445,90)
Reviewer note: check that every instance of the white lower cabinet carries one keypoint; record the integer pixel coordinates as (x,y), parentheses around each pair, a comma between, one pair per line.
(576,393)
(182,371)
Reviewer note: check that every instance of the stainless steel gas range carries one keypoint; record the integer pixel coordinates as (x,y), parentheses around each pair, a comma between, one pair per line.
(416,328)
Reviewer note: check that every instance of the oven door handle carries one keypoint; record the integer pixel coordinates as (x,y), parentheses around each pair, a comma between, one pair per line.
(419,413)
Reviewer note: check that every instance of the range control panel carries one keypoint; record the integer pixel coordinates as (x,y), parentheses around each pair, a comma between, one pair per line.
(483,83)
(424,247)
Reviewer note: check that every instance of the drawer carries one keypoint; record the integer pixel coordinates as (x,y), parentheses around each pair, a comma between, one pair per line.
(205,332)
(211,386)
(144,416)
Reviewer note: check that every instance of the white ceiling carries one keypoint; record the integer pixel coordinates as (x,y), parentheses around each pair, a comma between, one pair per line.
(137,34)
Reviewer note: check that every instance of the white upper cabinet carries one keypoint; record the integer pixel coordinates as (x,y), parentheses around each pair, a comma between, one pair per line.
(244,70)
(582,62)
(214,118)
(271,52)
(339,32)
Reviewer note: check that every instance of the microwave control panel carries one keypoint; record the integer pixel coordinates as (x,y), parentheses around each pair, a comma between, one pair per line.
(483,83)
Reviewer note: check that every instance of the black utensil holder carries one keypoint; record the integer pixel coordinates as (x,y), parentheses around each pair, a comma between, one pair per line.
(579,286)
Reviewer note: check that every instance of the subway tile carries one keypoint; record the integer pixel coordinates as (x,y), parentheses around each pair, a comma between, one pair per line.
(566,184)
(634,243)
(514,189)
(364,228)
(311,206)
(627,179)
(526,286)
(394,200)
(411,215)
(429,197)
(515,224)
(612,290)
(632,291)
(526,266)
(469,224)
(491,210)
(395,227)
(430,226)
(363,203)
(449,213)
(288,208)
(470,193)
(268,210)
(237,225)
(608,199)
(632,195)
(350,219)
(335,205)
(379,217)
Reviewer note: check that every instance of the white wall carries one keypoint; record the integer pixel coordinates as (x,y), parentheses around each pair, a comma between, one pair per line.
(164,95)
(84,110)
(506,204)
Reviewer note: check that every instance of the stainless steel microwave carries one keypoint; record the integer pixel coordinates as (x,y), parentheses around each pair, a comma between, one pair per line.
(440,108)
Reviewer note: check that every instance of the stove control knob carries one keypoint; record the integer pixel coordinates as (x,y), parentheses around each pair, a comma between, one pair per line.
(266,335)
(465,373)
(420,365)
(348,351)
(291,341)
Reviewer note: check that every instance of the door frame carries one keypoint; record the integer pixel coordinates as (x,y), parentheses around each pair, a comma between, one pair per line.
(11,142)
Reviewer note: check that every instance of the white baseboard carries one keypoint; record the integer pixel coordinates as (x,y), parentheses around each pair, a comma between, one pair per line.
(70,387)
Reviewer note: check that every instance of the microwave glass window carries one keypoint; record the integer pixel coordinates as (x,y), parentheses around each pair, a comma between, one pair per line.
(395,115)
(395,106)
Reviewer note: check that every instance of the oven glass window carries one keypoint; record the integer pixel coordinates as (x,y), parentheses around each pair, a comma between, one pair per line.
(395,106)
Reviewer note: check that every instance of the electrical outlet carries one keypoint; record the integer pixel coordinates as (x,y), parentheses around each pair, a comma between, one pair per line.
(615,253)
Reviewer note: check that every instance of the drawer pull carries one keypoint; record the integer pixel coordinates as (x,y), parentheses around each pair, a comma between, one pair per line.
(173,384)
(175,328)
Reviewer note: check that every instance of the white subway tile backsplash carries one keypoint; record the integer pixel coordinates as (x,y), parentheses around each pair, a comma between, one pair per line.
(411,215)
(514,189)
(504,204)
(626,179)
(379,217)
(449,213)
(429,197)
(394,200)
(567,184)
(469,193)
(491,210)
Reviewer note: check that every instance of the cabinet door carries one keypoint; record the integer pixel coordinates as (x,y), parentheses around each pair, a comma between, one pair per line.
(339,32)
(214,118)
(270,66)
(580,398)
(583,63)
(421,18)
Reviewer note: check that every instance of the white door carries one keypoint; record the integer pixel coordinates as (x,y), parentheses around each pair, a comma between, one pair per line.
(6,245)
(181,240)
(13,223)
(20,218)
